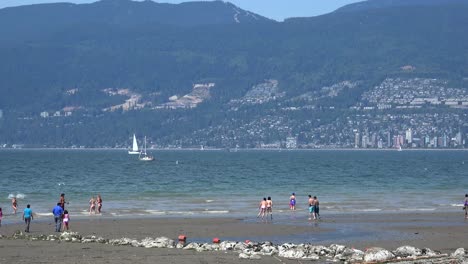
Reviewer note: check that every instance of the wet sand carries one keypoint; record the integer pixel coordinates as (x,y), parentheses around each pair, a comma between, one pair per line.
(442,232)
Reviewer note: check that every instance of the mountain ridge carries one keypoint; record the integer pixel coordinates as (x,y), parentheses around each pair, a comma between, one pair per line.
(210,83)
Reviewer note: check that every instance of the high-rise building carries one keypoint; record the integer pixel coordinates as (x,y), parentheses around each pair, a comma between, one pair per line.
(364,141)
(458,138)
(356,140)
(389,140)
(409,136)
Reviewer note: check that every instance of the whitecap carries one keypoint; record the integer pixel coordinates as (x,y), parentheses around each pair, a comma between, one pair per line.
(43,214)
(417,209)
(17,196)
(216,212)
(155,212)
(209,201)
(457,205)
(370,210)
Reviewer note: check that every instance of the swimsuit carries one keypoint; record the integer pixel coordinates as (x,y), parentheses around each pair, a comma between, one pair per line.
(292,202)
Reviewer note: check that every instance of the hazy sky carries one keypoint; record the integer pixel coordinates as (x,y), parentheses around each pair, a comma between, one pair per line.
(276,9)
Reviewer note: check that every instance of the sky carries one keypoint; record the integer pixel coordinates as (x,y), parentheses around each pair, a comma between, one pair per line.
(275,9)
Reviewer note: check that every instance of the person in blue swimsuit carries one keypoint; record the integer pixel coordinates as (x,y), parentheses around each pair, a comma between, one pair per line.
(292,201)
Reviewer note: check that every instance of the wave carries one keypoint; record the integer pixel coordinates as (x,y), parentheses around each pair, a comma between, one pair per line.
(43,214)
(457,205)
(155,212)
(216,212)
(369,210)
(17,196)
(209,201)
(417,209)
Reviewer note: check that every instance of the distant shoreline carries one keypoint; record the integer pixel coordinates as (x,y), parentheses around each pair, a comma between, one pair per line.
(246,149)
(239,150)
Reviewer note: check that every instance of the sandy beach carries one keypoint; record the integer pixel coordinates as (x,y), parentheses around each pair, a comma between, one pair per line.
(444,232)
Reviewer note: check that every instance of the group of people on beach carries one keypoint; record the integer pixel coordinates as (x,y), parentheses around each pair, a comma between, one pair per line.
(95,204)
(314,209)
(61,216)
(266,207)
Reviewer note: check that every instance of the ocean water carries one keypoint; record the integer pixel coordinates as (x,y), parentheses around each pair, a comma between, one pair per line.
(221,183)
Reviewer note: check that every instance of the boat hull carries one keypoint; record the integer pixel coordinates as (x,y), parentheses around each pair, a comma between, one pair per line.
(133,152)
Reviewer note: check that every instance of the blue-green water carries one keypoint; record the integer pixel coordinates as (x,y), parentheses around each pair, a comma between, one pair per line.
(232,183)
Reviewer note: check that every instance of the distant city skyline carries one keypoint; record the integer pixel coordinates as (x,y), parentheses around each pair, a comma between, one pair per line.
(275,9)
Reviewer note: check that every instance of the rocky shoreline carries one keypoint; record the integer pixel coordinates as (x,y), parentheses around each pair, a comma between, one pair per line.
(257,250)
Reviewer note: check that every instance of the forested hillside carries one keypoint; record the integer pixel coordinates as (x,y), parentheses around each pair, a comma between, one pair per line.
(85,61)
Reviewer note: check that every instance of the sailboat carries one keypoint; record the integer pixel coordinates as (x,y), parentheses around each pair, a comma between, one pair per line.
(144,156)
(134,150)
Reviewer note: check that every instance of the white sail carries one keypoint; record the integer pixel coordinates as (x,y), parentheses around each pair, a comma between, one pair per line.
(134,150)
(135,144)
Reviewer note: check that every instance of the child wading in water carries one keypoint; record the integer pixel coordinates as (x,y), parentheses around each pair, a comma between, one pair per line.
(66,220)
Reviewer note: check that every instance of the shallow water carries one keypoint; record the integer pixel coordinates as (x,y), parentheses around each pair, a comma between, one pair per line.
(205,183)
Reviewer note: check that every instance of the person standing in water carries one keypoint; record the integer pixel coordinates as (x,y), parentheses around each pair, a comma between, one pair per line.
(92,205)
(62,201)
(269,208)
(292,202)
(311,207)
(262,207)
(27,217)
(98,203)
(316,208)
(1,216)
(465,206)
(14,204)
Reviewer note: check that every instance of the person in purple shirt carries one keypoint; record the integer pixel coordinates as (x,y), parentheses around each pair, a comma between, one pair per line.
(27,217)
(58,213)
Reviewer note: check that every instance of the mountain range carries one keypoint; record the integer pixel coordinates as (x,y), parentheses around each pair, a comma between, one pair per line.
(177,72)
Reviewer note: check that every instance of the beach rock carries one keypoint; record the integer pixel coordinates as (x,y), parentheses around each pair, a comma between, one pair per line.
(459,253)
(180,245)
(291,253)
(350,255)
(124,242)
(376,254)
(319,250)
(94,239)
(52,238)
(18,235)
(239,247)
(336,249)
(407,251)
(208,247)
(268,250)
(244,256)
(429,252)
(192,246)
(159,242)
(227,245)
(70,237)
